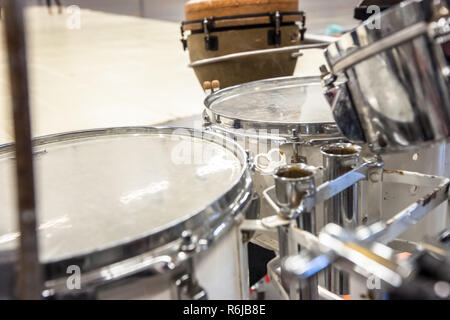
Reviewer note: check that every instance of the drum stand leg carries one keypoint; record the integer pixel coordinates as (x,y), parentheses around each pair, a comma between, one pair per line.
(243,264)
(288,248)
(309,287)
(342,209)
(292,184)
(298,290)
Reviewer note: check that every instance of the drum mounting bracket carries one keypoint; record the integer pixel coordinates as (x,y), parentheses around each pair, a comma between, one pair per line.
(187,286)
(183,39)
(211,42)
(274,36)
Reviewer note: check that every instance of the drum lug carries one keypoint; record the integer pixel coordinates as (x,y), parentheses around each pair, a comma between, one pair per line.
(211,42)
(328,79)
(250,161)
(187,288)
(186,285)
(189,243)
(303,28)
(206,121)
(252,214)
(274,36)
(183,39)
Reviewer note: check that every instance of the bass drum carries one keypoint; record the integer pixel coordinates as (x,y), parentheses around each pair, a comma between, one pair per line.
(137,213)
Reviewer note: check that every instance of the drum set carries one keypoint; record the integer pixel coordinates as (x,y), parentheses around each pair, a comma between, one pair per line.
(343,176)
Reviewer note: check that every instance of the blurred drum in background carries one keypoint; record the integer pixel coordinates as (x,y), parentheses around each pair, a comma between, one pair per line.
(229,40)
(135,213)
(393,72)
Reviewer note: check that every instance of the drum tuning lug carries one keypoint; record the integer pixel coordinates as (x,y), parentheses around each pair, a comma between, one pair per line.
(186,284)
(215,85)
(206,121)
(188,243)
(295,135)
(211,42)
(250,161)
(188,289)
(274,36)
(183,39)
(303,28)
(207,87)
(184,43)
(327,77)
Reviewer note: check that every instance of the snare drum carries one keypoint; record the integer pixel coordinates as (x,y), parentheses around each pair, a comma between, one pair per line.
(395,93)
(222,29)
(279,121)
(134,213)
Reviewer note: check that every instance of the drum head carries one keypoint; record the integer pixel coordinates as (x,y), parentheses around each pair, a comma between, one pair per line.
(99,189)
(286,102)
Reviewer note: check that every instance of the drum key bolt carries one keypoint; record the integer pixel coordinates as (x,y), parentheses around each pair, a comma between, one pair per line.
(211,42)
(188,243)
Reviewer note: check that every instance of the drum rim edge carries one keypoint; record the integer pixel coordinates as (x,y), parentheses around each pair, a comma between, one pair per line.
(168,235)
(343,48)
(285,129)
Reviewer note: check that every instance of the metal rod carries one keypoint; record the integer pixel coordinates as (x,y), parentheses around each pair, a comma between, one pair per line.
(29,276)
(342,209)
(240,55)
(309,287)
(329,189)
(334,242)
(328,295)
(292,183)
(339,159)
(319,38)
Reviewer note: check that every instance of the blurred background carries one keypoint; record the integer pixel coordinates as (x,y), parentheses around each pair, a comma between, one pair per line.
(320,12)
(104,63)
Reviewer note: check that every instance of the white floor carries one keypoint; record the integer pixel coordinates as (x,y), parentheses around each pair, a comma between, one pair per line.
(115,70)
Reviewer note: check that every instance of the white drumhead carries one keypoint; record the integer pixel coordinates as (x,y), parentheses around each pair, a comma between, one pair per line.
(289,100)
(95,192)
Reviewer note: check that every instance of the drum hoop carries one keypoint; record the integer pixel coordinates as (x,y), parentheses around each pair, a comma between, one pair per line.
(382,45)
(270,15)
(285,129)
(208,225)
(347,51)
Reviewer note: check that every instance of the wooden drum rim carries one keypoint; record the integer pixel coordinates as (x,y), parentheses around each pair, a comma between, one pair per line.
(236,13)
(242,20)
